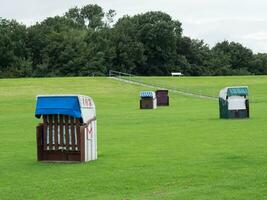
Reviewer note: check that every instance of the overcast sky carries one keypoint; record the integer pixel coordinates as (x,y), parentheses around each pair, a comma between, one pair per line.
(243,21)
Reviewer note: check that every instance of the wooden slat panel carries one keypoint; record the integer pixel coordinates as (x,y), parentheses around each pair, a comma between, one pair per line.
(61,132)
(78,133)
(61,144)
(45,118)
(50,119)
(56,131)
(45,136)
(67,132)
(72,134)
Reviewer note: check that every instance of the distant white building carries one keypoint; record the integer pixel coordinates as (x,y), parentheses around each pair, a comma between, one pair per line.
(176,74)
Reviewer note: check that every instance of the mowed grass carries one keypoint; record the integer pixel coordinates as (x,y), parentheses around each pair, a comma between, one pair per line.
(210,85)
(179,152)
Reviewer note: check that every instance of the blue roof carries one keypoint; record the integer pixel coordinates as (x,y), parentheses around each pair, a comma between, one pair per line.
(65,105)
(242,91)
(147,94)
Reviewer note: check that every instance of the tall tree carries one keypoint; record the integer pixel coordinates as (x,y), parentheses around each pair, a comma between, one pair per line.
(86,41)
(259,64)
(238,57)
(154,35)
(75,15)
(14,54)
(93,16)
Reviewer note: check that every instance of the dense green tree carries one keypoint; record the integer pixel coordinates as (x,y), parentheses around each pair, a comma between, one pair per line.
(100,51)
(220,63)
(129,52)
(86,41)
(14,54)
(151,37)
(238,57)
(75,15)
(158,33)
(259,64)
(57,47)
(93,16)
(197,54)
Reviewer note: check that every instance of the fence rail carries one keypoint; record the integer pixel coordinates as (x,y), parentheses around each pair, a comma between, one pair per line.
(132,79)
(113,73)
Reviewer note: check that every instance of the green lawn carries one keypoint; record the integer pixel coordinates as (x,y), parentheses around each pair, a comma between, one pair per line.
(210,85)
(179,152)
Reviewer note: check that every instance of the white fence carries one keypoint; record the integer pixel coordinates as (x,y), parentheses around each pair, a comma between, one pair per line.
(137,80)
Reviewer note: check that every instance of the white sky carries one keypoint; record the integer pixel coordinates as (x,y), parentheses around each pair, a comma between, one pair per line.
(243,21)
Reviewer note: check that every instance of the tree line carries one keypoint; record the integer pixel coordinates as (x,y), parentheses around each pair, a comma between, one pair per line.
(86,41)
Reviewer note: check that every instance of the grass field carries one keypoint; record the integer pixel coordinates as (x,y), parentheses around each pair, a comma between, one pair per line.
(179,152)
(210,85)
